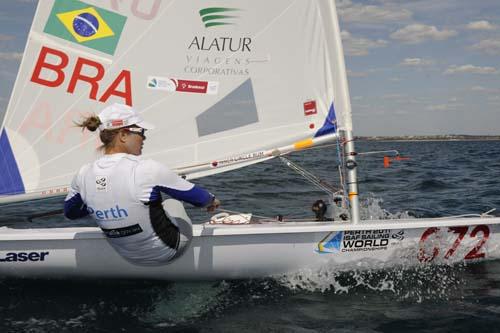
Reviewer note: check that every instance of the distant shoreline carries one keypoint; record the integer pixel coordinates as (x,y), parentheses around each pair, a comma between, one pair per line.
(430,138)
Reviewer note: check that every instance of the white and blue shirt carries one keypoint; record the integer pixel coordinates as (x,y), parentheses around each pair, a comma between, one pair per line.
(123,193)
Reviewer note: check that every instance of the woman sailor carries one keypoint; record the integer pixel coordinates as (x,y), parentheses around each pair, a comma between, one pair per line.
(122,191)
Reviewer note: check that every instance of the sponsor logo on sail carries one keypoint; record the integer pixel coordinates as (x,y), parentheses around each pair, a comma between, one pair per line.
(161,83)
(153,83)
(224,55)
(360,241)
(221,44)
(219,66)
(310,108)
(181,85)
(87,25)
(217,16)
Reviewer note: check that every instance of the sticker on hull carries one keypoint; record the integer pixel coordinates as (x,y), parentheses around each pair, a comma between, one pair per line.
(359,241)
(454,243)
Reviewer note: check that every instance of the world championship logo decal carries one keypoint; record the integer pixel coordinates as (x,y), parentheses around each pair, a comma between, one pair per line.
(331,244)
(359,241)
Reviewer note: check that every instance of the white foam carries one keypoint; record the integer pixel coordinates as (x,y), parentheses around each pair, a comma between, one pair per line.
(371,209)
(405,281)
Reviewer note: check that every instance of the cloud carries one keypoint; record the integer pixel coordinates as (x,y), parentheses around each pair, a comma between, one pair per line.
(350,12)
(7,73)
(356,74)
(344,3)
(444,107)
(418,33)
(4,38)
(416,62)
(481,25)
(481,89)
(395,97)
(471,69)
(488,46)
(10,56)
(359,46)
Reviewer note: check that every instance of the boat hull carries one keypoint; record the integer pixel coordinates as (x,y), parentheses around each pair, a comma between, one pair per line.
(256,250)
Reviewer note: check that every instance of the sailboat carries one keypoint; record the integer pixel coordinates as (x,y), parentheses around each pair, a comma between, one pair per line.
(227,84)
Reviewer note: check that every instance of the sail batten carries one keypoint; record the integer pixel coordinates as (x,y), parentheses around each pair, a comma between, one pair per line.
(274,77)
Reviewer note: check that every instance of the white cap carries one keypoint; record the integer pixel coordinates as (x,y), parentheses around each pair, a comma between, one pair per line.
(120,115)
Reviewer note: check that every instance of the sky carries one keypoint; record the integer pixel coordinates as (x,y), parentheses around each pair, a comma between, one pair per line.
(415,67)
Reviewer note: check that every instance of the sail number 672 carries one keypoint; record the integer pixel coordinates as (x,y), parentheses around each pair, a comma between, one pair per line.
(481,232)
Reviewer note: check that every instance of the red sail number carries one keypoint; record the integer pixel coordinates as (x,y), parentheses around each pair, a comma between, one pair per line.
(461,232)
(475,252)
(422,256)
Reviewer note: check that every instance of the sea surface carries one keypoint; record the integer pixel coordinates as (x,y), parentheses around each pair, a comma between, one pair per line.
(440,179)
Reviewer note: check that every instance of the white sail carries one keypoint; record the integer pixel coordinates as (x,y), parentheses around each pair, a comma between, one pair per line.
(225,83)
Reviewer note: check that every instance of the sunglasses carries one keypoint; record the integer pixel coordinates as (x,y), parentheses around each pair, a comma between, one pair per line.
(138,131)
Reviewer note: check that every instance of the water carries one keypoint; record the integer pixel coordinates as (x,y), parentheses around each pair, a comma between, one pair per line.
(442,178)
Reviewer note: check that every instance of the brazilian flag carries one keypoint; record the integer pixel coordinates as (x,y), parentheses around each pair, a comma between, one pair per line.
(85,24)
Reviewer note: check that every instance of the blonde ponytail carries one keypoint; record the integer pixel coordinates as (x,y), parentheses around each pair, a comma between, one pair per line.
(91,123)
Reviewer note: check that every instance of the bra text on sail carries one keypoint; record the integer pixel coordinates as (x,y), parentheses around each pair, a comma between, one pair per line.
(82,66)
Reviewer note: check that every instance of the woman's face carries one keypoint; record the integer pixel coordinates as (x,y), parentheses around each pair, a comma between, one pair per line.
(133,140)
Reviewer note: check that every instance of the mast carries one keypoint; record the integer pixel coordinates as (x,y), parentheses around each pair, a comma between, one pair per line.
(344,103)
(352,178)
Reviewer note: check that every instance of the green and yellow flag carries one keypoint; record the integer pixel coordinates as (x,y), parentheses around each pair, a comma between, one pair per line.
(85,24)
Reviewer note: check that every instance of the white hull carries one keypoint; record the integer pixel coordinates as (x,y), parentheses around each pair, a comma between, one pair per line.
(256,250)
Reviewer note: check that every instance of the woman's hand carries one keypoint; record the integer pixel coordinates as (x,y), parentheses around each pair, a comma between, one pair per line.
(214,205)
